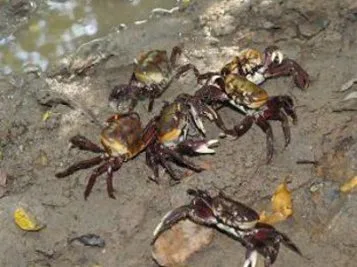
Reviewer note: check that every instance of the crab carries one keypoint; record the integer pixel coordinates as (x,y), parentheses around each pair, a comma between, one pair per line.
(233,218)
(122,139)
(254,102)
(175,124)
(153,73)
(257,67)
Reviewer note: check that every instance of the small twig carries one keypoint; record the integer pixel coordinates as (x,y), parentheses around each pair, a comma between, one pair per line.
(344,110)
(305,161)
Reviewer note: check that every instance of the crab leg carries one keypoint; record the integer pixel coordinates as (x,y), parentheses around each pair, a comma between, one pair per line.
(85,164)
(289,67)
(169,169)
(266,128)
(184,68)
(286,128)
(152,164)
(181,160)
(206,76)
(156,92)
(176,51)
(93,177)
(115,165)
(241,128)
(83,143)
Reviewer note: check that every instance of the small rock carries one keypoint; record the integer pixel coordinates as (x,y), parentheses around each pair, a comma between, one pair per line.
(91,240)
(176,245)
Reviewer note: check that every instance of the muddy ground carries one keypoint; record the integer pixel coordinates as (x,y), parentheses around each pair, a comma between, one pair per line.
(320,35)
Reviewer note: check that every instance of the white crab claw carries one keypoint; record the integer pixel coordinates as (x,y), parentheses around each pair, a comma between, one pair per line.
(277,54)
(205,148)
(197,119)
(251,261)
(159,226)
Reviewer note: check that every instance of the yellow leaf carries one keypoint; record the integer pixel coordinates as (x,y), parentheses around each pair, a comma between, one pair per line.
(282,206)
(46,115)
(25,220)
(272,218)
(349,185)
(281,200)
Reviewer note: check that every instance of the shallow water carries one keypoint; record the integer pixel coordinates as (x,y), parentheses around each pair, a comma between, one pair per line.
(60,26)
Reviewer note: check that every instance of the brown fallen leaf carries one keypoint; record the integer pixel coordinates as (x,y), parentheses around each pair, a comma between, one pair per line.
(281,205)
(349,185)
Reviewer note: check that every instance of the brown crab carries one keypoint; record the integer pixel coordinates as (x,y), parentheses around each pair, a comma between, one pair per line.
(175,124)
(254,102)
(153,73)
(257,67)
(122,139)
(233,218)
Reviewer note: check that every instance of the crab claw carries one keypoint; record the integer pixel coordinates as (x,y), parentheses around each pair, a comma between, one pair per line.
(120,98)
(198,211)
(289,67)
(196,117)
(192,147)
(265,240)
(272,55)
(171,218)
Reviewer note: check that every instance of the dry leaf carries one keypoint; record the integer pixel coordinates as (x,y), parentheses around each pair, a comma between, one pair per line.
(281,205)
(26,221)
(349,185)
(272,218)
(281,200)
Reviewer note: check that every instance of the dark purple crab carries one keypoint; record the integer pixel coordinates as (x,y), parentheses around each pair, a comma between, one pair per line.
(153,73)
(233,218)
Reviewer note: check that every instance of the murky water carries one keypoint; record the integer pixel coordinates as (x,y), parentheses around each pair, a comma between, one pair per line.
(59,26)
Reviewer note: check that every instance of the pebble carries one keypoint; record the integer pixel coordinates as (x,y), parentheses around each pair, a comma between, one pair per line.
(91,240)
(175,246)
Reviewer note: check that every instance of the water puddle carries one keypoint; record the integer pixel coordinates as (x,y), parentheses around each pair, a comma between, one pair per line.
(60,26)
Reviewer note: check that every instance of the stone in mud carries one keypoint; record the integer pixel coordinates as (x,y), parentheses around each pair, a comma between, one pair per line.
(175,246)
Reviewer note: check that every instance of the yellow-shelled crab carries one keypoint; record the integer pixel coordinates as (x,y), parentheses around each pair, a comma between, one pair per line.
(175,125)
(254,102)
(153,73)
(165,138)
(122,139)
(258,67)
